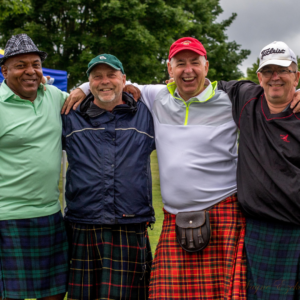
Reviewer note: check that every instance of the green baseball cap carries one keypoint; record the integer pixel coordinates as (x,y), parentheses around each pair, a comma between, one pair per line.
(108,59)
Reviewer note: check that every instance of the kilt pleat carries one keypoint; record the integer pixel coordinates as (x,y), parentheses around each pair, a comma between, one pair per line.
(109,261)
(33,257)
(217,272)
(273,260)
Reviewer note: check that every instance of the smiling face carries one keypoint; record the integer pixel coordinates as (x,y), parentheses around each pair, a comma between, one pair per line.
(23,74)
(106,85)
(279,89)
(188,70)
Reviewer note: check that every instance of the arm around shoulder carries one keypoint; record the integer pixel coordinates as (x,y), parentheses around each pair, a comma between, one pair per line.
(148,92)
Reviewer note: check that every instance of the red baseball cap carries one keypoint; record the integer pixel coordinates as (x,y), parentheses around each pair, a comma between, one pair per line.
(187,43)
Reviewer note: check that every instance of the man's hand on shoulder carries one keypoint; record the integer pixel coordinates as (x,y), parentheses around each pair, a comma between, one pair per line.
(295,104)
(44,81)
(169,80)
(75,98)
(133,90)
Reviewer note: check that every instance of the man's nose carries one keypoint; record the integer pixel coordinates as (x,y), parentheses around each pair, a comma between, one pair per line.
(188,68)
(104,80)
(30,70)
(275,75)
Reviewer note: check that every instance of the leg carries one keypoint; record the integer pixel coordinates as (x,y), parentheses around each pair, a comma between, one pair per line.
(54,297)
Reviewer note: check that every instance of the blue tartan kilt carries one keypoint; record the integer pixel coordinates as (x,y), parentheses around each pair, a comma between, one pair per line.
(33,257)
(273,260)
(109,261)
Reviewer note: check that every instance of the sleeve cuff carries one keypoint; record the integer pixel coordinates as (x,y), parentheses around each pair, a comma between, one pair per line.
(85,87)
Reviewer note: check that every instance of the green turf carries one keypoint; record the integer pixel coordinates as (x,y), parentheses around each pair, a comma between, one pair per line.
(157,202)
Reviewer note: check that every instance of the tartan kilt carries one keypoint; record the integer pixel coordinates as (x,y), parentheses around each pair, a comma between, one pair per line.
(215,273)
(33,257)
(109,261)
(273,260)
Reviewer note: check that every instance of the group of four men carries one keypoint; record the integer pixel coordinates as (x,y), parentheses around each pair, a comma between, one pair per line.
(109,137)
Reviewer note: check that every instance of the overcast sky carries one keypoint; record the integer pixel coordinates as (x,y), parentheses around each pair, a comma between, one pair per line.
(260,22)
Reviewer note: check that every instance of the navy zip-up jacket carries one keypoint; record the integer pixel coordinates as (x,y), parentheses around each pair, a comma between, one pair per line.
(109,176)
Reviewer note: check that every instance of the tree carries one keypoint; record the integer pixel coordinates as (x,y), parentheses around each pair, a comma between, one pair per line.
(251,72)
(138,32)
(11,8)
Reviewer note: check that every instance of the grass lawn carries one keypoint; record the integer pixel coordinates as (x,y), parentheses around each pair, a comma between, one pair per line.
(157,202)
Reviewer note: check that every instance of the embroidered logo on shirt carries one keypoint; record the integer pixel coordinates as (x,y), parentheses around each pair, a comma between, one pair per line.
(284,138)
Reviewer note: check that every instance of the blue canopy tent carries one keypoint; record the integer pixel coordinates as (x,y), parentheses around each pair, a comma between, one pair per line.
(61,78)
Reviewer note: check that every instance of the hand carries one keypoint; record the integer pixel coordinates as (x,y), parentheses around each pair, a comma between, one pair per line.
(75,98)
(169,81)
(295,103)
(44,81)
(133,90)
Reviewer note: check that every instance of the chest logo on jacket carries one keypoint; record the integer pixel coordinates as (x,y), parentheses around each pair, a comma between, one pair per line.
(284,138)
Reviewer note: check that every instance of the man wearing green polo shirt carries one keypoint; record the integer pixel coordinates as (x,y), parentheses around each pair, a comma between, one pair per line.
(33,243)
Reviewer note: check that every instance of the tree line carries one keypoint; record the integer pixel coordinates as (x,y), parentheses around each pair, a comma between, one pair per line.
(138,32)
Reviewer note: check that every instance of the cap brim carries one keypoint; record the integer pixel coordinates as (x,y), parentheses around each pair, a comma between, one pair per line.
(100,62)
(278,62)
(188,48)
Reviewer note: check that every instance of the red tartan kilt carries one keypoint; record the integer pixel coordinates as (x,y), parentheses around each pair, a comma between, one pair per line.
(217,272)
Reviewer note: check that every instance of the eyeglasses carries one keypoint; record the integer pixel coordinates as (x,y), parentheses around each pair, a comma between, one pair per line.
(280,72)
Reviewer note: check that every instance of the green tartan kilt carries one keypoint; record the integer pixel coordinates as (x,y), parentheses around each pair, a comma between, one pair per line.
(273,260)
(33,257)
(109,261)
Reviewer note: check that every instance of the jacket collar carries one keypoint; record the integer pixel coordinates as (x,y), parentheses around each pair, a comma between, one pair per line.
(89,109)
(204,96)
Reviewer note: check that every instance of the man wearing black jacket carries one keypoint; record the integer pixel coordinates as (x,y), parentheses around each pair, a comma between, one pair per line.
(268,173)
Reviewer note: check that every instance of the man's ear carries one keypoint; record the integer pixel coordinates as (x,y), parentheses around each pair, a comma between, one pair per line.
(124,80)
(206,67)
(297,78)
(4,71)
(170,70)
(259,76)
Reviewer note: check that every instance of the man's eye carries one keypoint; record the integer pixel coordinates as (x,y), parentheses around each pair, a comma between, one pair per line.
(283,71)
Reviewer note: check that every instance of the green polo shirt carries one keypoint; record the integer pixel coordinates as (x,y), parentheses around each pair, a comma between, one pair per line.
(30,153)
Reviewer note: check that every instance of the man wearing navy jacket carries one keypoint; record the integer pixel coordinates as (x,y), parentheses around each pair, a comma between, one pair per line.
(109,139)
